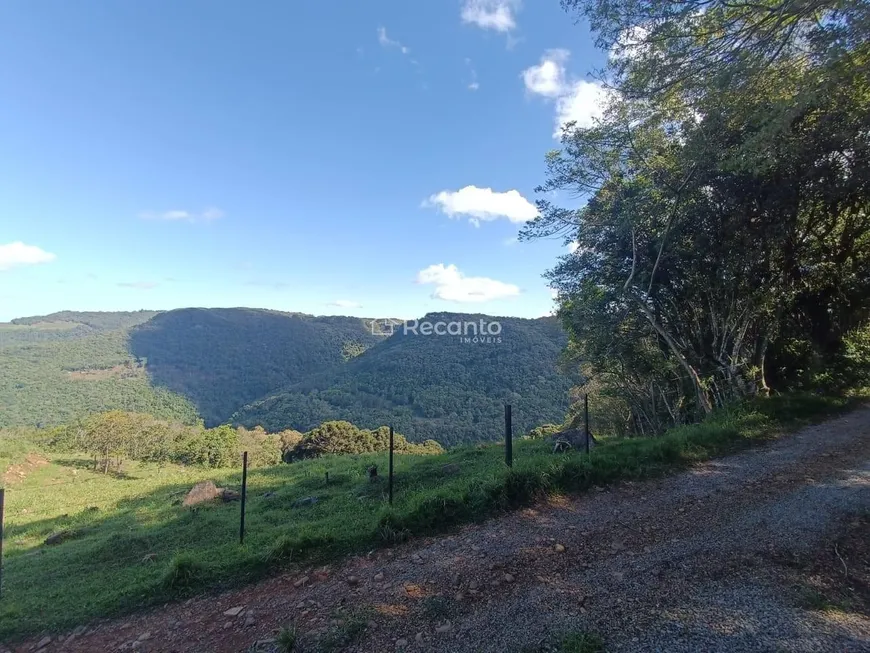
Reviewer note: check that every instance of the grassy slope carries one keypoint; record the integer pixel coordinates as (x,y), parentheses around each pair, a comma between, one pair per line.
(102,572)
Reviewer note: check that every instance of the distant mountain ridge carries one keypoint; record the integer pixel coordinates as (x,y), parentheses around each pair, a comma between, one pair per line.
(450,388)
(224,358)
(281,370)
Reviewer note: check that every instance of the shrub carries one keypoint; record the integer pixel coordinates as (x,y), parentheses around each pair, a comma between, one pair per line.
(543,431)
(339,437)
(287,548)
(183,573)
(264,450)
(286,640)
(217,447)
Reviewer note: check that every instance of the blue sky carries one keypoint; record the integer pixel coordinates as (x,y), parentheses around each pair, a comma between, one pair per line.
(366,158)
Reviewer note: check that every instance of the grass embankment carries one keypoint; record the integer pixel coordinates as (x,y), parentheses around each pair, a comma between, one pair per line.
(130,542)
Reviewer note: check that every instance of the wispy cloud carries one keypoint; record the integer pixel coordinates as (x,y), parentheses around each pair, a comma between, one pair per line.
(139,285)
(497,15)
(453,286)
(387,42)
(473,85)
(13,255)
(576,101)
(345,303)
(182,215)
(483,204)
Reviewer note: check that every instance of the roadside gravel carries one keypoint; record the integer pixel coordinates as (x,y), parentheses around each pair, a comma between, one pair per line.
(707,560)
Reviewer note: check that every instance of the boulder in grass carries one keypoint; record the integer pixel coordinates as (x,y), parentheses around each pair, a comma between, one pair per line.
(201,493)
(228,495)
(60,537)
(572,439)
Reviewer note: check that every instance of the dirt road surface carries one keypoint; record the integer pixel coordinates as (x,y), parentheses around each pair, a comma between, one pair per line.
(767,550)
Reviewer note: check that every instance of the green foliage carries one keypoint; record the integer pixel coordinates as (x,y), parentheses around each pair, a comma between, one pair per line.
(352,350)
(182,574)
(217,447)
(433,387)
(130,528)
(112,437)
(725,247)
(286,639)
(344,437)
(544,431)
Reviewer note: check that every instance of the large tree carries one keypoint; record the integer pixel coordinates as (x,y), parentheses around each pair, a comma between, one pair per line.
(725,244)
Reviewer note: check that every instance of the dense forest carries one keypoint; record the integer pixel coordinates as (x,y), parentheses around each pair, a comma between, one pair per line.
(434,387)
(222,359)
(50,376)
(280,371)
(724,250)
(180,365)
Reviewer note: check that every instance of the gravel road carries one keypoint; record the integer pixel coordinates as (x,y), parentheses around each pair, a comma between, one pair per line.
(717,558)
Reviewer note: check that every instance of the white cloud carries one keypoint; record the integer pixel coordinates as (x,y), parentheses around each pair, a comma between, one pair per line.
(576,101)
(181,215)
(453,286)
(573,246)
(498,15)
(345,303)
(139,285)
(387,42)
(583,104)
(13,255)
(483,204)
(473,86)
(548,77)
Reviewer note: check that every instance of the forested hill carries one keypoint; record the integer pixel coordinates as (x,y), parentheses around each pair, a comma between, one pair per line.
(222,359)
(180,364)
(68,325)
(57,367)
(281,370)
(437,387)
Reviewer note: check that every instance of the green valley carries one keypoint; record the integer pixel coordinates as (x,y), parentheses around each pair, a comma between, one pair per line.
(281,371)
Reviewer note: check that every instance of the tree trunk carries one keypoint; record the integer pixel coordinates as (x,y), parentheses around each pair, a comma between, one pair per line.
(703,399)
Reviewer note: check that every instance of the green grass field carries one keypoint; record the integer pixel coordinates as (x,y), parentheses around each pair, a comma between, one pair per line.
(132,544)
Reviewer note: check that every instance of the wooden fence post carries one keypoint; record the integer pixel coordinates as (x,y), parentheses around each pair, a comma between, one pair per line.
(244,496)
(508,437)
(390,481)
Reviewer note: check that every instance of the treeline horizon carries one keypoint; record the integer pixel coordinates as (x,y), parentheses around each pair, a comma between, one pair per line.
(110,438)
